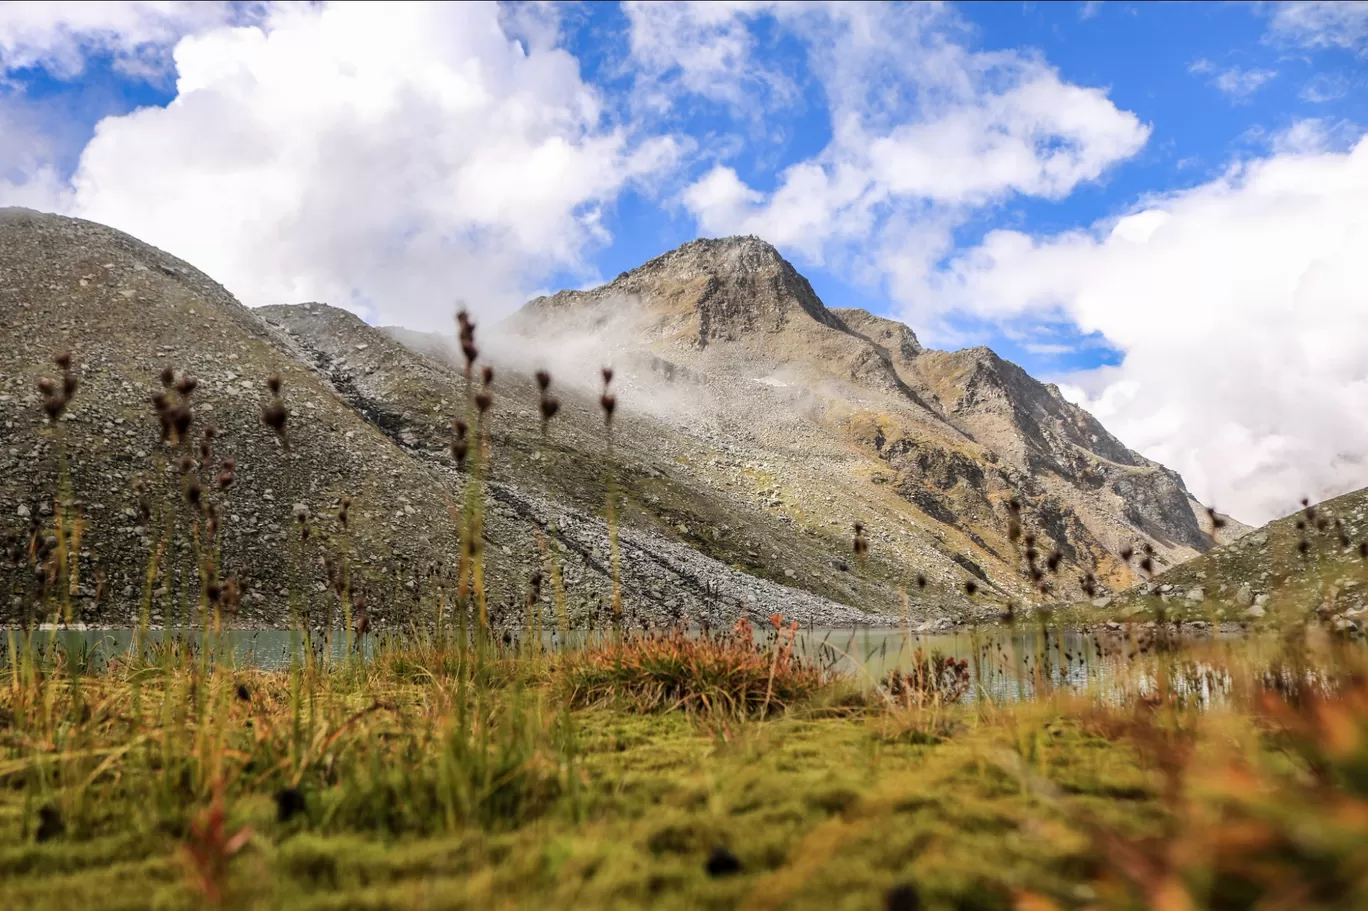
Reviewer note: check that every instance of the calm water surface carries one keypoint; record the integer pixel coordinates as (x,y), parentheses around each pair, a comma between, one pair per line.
(1003,662)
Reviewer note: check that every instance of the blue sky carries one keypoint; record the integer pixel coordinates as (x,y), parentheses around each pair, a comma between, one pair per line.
(1151,58)
(1159,206)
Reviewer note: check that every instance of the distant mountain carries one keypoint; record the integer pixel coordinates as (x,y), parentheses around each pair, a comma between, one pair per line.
(1311,561)
(864,424)
(126,310)
(755,428)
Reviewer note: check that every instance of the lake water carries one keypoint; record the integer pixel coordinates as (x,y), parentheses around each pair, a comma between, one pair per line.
(1002,662)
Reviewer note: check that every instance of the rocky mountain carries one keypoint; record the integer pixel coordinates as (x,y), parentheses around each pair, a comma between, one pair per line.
(1312,561)
(126,311)
(929,447)
(756,427)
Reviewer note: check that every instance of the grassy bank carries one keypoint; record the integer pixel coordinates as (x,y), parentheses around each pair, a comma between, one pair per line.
(655,773)
(460,763)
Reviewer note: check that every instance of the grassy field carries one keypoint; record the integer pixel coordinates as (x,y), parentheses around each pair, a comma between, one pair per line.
(460,764)
(676,772)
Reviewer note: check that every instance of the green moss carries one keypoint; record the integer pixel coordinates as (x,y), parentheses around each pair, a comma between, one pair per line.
(545,807)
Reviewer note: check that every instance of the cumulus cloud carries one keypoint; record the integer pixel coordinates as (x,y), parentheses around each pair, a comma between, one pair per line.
(390,159)
(59,35)
(924,131)
(27,175)
(1235,303)
(700,48)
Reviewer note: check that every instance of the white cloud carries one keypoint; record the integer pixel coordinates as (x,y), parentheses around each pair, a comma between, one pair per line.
(1233,81)
(1323,24)
(924,130)
(1324,87)
(1239,306)
(703,48)
(390,159)
(27,175)
(59,35)
(1312,135)
(1089,9)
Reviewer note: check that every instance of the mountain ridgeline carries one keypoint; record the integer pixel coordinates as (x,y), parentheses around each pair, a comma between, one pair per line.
(756,428)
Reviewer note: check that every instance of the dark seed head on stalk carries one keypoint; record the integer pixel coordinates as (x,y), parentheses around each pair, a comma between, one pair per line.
(1053,560)
(483,399)
(1126,554)
(970,587)
(186,385)
(722,862)
(289,804)
(53,406)
(69,384)
(181,419)
(244,693)
(921,580)
(549,406)
(1303,547)
(1217,523)
(607,373)
(50,824)
(186,464)
(232,595)
(194,493)
(273,383)
(1363,550)
(903,898)
(543,380)
(608,402)
(62,359)
(274,415)
(487,374)
(1147,565)
(1088,584)
(46,386)
(225,480)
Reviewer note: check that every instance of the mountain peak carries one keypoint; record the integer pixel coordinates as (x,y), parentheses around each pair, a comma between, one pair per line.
(738,251)
(709,290)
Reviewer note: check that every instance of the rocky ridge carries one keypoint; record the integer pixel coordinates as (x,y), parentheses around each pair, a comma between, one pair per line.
(125,311)
(858,406)
(1311,561)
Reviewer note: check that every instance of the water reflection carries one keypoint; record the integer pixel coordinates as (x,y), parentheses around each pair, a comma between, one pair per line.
(1004,663)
